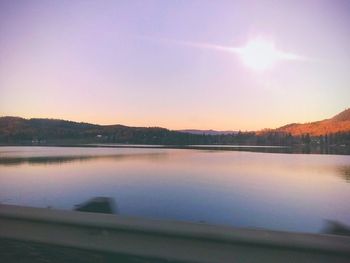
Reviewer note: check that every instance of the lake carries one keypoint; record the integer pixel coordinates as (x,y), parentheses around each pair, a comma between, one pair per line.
(292,192)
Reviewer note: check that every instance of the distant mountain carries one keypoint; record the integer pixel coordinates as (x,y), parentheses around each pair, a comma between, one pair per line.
(338,123)
(207,132)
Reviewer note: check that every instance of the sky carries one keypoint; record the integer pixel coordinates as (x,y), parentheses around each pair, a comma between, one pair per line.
(175,64)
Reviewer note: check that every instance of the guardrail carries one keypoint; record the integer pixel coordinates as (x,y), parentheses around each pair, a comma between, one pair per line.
(168,240)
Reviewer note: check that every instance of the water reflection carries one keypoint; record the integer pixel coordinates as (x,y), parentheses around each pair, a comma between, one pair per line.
(14,161)
(345,172)
(242,189)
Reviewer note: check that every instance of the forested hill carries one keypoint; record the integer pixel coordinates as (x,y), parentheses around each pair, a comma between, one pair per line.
(336,124)
(15,129)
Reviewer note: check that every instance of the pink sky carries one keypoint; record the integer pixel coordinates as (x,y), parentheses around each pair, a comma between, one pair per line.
(107,62)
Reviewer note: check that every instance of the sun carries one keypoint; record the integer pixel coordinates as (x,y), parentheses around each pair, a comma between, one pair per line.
(259,54)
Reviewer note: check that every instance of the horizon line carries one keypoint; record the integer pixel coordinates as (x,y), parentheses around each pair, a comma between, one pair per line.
(156,126)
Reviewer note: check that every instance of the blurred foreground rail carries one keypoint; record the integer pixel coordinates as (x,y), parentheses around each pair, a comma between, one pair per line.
(164,241)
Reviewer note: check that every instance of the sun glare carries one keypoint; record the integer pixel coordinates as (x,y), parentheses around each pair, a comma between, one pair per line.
(259,54)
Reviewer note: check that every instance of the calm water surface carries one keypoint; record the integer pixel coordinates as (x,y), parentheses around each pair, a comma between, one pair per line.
(293,192)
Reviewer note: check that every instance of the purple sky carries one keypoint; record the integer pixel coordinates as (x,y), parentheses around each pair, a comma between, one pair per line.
(107,62)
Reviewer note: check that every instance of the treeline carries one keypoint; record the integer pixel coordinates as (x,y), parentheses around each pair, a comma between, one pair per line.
(15,130)
(45,131)
(284,139)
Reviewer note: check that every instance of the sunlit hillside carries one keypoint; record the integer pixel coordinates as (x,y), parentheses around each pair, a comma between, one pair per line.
(339,123)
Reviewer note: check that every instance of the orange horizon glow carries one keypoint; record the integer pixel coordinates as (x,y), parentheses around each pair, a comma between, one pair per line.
(177,124)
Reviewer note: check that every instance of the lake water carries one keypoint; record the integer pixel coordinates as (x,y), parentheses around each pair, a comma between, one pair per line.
(293,192)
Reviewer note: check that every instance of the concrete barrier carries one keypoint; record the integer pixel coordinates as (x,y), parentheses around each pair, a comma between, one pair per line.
(168,240)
